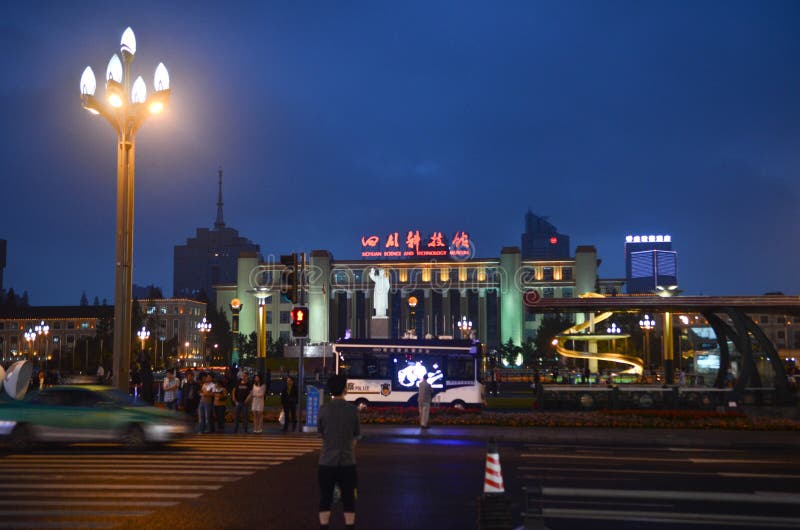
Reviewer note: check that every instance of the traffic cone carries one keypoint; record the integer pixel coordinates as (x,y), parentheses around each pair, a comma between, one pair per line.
(494,507)
(493,478)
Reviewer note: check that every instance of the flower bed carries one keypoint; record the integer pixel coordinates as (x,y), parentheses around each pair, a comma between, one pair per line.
(661,419)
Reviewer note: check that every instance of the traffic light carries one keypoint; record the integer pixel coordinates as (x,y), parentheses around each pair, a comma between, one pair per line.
(300,322)
(289,283)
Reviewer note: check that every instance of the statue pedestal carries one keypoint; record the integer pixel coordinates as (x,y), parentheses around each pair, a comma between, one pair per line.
(379,327)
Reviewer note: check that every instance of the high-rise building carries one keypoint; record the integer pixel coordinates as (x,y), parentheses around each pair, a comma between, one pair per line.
(650,262)
(541,239)
(208,259)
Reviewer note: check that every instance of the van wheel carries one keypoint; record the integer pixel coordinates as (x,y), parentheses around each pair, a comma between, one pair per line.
(362,404)
(458,404)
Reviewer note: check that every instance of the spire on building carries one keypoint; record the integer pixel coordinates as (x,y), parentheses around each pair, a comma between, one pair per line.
(219,224)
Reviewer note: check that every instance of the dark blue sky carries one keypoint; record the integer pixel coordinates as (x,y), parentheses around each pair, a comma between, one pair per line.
(356,117)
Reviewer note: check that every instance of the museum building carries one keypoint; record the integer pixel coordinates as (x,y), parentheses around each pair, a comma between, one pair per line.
(433,284)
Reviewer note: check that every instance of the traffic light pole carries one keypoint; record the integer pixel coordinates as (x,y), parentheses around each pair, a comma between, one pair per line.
(300,286)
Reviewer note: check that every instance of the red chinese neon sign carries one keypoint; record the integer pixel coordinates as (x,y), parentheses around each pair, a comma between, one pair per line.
(414,245)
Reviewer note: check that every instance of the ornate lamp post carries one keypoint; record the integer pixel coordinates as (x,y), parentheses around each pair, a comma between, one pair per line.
(30,335)
(204,327)
(647,324)
(465,326)
(236,308)
(43,329)
(412,305)
(125,107)
(143,335)
(613,330)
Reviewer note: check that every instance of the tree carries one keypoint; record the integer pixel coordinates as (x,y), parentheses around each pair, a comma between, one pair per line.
(23,302)
(551,326)
(508,352)
(104,333)
(11,299)
(96,302)
(84,300)
(247,349)
(137,321)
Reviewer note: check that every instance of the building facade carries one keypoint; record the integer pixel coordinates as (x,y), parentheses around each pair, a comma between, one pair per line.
(68,326)
(209,258)
(650,262)
(427,297)
(65,345)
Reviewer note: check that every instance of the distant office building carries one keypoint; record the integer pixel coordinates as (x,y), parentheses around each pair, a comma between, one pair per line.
(209,258)
(650,262)
(542,241)
(2,262)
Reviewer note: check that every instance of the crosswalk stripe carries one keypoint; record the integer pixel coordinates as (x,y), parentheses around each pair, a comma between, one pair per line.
(104,482)
(83,486)
(556,456)
(673,495)
(718,520)
(103,494)
(87,502)
(8,470)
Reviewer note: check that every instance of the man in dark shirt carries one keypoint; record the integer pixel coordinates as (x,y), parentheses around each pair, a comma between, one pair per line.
(339,427)
(240,393)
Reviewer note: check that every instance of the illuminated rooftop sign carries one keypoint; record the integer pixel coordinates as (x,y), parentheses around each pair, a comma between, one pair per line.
(413,245)
(648,239)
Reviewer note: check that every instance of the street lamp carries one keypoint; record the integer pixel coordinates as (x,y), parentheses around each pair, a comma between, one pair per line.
(125,107)
(613,330)
(30,335)
(647,325)
(143,335)
(465,326)
(204,327)
(412,304)
(43,329)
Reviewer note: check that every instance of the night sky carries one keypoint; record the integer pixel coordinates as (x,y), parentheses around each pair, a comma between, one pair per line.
(334,120)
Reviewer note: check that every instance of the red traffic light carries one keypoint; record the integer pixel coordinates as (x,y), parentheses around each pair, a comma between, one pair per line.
(300,322)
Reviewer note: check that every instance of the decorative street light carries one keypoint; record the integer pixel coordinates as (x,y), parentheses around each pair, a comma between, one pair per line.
(613,330)
(204,327)
(465,326)
(412,305)
(125,107)
(43,329)
(143,335)
(647,325)
(30,335)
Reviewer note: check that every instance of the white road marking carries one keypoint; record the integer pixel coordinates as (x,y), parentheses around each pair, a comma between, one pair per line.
(718,520)
(673,495)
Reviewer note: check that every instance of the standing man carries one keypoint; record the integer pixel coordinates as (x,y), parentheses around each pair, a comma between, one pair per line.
(101,373)
(191,396)
(170,386)
(424,401)
(339,427)
(240,394)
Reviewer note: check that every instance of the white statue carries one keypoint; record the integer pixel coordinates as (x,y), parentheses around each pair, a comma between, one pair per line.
(380,296)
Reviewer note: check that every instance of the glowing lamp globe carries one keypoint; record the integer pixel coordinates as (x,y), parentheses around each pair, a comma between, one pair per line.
(161,80)
(128,41)
(114,69)
(139,91)
(88,82)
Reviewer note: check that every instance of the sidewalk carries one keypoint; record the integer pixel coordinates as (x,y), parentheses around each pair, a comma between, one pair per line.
(695,438)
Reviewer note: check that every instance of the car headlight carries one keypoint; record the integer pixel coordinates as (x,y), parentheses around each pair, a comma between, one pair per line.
(6,427)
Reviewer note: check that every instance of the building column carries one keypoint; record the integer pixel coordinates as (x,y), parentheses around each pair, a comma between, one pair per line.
(368,313)
(510,296)
(482,316)
(319,274)
(463,304)
(427,324)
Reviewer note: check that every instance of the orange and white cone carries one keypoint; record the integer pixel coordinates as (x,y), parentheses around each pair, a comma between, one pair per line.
(493,478)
